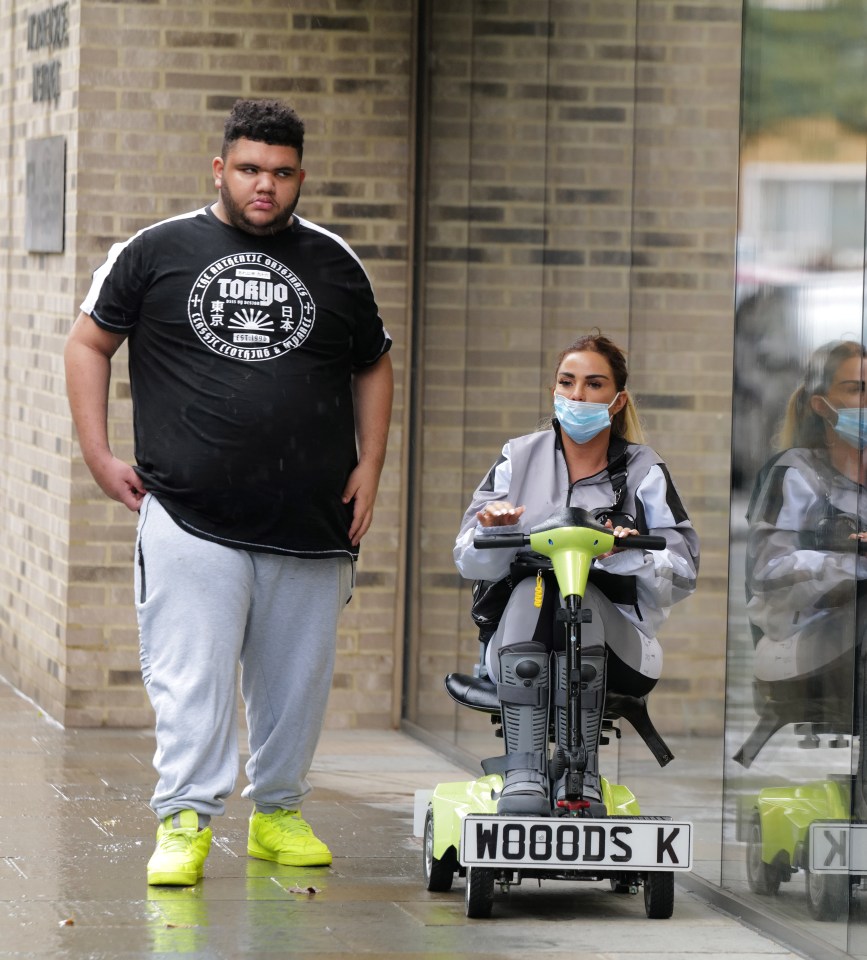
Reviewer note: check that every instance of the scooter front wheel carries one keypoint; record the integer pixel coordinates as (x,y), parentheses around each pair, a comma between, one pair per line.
(438,872)
(659,895)
(479,893)
(762,878)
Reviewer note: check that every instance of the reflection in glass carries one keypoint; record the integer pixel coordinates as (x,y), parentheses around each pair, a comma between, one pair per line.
(794,777)
(803,570)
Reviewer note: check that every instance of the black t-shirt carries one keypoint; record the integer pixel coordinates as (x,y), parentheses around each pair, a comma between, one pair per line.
(241,351)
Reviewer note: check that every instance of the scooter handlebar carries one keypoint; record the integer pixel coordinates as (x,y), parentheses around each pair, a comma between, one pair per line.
(639,541)
(501,540)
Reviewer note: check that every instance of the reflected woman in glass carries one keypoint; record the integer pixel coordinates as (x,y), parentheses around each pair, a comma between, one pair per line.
(804,576)
(803,568)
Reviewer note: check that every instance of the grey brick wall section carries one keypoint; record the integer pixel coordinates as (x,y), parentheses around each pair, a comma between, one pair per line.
(582,173)
(596,167)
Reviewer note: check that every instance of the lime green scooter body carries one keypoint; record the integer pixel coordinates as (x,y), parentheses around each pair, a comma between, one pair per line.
(451,802)
(786,813)
(571,551)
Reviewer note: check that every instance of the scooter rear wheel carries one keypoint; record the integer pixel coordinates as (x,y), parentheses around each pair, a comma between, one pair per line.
(438,872)
(479,893)
(659,895)
(827,893)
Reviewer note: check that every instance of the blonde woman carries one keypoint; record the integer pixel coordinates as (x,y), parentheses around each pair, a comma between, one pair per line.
(592,456)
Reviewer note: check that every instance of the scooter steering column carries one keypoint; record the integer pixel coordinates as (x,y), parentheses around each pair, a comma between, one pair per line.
(579,709)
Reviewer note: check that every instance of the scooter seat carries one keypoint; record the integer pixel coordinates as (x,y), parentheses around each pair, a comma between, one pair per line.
(479,693)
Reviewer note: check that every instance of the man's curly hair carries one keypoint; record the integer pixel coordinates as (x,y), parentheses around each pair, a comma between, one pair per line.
(269,121)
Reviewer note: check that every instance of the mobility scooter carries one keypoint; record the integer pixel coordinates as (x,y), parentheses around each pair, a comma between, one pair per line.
(578,838)
(807,827)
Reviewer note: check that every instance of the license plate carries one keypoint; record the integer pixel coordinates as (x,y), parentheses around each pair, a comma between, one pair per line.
(573,843)
(836,846)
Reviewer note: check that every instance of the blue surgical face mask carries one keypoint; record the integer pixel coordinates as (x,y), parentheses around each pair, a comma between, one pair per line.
(851,425)
(582,420)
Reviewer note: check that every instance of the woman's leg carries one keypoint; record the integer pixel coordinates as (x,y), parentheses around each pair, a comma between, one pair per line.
(521,666)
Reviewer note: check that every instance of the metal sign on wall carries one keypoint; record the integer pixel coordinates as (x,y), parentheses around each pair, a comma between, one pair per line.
(46,195)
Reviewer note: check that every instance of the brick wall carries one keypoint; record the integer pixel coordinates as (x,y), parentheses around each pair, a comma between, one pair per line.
(156,80)
(36,445)
(581,172)
(682,307)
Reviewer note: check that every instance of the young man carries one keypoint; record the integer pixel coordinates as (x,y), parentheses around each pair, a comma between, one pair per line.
(262,389)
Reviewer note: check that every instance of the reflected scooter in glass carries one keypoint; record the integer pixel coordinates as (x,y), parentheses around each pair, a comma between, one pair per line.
(580,839)
(803,828)
(806,828)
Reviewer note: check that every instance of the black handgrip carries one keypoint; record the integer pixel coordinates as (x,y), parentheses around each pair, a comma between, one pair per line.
(641,541)
(501,540)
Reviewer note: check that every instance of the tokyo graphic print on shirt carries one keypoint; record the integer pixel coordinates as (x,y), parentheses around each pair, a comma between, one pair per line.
(251,306)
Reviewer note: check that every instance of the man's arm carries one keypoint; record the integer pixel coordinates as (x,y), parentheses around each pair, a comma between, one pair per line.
(87,356)
(373,389)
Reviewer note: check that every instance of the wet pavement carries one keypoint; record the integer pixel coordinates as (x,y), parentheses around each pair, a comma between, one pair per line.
(76,833)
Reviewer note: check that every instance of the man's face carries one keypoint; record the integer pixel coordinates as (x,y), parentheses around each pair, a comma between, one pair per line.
(259,186)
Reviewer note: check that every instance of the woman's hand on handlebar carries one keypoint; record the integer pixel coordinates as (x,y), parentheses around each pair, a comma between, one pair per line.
(499,513)
(619,533)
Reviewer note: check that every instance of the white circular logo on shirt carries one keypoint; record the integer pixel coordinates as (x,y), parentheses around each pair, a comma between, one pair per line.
(250,307)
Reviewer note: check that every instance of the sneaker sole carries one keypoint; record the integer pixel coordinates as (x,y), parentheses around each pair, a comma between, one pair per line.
(288,860)
(186,878)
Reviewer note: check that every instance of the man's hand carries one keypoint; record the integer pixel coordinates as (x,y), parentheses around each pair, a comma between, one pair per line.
(361,490)
(119,481)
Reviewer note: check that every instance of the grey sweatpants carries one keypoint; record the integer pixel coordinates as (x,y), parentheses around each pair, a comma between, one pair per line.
(203,608)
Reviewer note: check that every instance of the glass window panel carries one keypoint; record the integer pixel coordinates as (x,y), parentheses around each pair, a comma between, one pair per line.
(795,674)
(528,233)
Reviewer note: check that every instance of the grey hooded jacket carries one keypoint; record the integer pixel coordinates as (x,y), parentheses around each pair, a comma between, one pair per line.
(802,570)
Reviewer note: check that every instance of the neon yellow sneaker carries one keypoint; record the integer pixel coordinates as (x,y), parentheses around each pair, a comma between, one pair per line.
(179,858)
(286,838)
